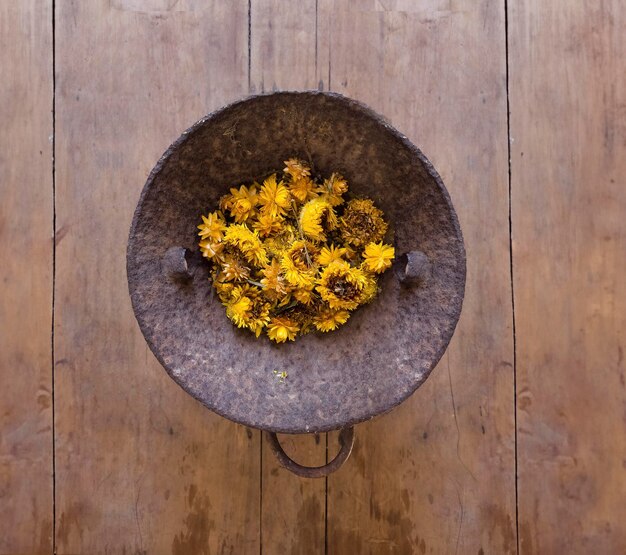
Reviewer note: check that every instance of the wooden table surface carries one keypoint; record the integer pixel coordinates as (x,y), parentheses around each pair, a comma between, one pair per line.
(517,441)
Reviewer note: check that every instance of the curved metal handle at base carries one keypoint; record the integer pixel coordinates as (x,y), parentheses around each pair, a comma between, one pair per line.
(346,438)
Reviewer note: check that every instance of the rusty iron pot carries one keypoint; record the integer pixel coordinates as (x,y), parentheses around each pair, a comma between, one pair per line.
(367,367)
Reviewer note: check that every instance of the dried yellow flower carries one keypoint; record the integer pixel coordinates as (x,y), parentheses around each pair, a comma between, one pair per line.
(248,242)
(233,268)
(296,169)
(333,189)
(329,254)
(328,319)
(209,249)
(378,257)
(304,295)
(241,202)
(212,227)
(297,264)
(317,218)
(238,306)
(274,197)
(274,284)
(266,224)
(303,189)
(259,316)
(362,223)
(290,256)
(370,289)
(342,286)
(281,329)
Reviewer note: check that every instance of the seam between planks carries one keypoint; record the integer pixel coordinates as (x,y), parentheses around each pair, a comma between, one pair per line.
(260,492)
(260,431)
(316,34)
(249,46)
(326,502)
(508,134)
(326,433)
(54,244)
(329,89)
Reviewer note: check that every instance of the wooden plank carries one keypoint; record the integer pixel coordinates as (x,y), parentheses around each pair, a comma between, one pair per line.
(283,45)
(568,162)
(283,57)
(141,467)
(437,475)
(26,276)
(293,508)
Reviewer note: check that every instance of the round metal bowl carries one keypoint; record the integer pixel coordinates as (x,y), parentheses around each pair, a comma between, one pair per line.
(385,351)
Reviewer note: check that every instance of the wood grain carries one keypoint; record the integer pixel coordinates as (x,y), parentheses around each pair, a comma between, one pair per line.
(140,466)
(283,45)
(293,511)
(568,162)
(26,276)
(437,474)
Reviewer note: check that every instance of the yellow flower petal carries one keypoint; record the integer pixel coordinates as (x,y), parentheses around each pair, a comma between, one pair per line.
(248,242)
(362,223)
(296,169)
(274,197)
(267,225)
(378,257)
(317,217)
(241,203)
(330,254)
(329,319)
(333,189)
(297,264)
(342,286)
(281,329)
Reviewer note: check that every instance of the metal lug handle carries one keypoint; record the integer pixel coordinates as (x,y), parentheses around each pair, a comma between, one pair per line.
(346,438)
(413,268)
(175,266)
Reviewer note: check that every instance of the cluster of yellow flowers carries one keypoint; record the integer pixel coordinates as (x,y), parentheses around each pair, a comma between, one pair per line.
(292,255)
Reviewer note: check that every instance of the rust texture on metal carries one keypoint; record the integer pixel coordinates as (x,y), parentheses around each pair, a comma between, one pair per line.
(346,440)
(386,350)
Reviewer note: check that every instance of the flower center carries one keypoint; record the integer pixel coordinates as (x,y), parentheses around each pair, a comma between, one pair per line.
(342,288)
